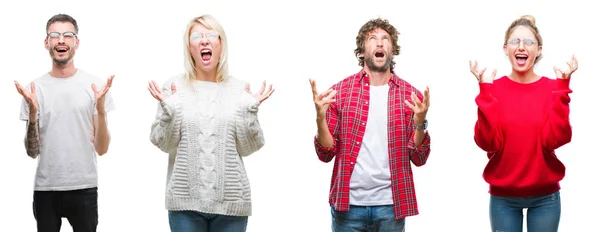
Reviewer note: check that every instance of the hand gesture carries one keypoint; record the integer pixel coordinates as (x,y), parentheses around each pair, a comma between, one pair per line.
(29,95)
(157,93)
(571,67)
(262,94)
(100,95)
(322,100)
(419,108)
(479,73)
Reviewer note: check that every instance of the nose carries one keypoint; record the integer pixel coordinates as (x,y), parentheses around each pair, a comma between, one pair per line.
(204,40)
(379,43)
(61,39)
(521,46)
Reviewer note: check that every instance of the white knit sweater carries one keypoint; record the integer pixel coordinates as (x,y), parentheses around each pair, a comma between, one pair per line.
(206,129)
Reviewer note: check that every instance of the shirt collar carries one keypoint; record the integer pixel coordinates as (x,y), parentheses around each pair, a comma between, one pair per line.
(363,77)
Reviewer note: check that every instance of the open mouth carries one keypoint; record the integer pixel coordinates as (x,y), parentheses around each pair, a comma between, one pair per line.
(521,59)
(206,54)
(61,49)
(379,54)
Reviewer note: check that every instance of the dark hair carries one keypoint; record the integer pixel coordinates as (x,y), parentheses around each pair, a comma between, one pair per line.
(529,22)
(64,18)
(370,26)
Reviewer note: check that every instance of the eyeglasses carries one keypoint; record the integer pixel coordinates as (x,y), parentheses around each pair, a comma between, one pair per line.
(517,41)
(210,35)
(66,34)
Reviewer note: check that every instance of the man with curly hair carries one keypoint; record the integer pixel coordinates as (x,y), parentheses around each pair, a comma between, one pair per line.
(374,124)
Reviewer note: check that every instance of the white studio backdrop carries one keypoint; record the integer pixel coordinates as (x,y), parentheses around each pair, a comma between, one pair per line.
(285,43)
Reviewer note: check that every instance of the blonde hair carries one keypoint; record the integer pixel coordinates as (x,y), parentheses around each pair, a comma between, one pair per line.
(210,23)
(529,22)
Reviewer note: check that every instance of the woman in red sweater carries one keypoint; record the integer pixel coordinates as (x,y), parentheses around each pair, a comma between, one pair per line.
(522,119)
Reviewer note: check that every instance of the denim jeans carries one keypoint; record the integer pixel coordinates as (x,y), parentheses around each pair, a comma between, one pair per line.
(191,221)
(366,218)
(80,207)
(543,213)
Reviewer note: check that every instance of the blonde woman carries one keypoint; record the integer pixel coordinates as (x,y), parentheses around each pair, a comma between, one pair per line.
(207,121)
(522,118)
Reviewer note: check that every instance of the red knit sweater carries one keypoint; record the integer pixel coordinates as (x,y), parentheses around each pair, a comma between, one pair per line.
(520,126)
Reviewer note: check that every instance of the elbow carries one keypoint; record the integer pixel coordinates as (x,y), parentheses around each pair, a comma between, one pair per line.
(485,144)
(326,159)
(420,163)
(251,148)
(101,151)
(419,158)
(325,153)
(325,156)
(32,155)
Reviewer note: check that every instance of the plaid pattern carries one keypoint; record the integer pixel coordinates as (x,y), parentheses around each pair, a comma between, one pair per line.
(346,119)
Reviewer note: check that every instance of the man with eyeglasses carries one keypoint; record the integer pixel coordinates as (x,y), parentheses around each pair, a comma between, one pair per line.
(65,110)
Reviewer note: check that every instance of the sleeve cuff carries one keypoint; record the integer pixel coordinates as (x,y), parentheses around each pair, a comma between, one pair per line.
(321,148)
(485,87)
(169,104)
(425,143)
(563,84)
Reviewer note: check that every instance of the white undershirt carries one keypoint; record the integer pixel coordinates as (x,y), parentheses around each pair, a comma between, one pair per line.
(370,183)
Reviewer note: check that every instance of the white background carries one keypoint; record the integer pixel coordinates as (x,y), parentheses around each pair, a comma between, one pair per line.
(285,44)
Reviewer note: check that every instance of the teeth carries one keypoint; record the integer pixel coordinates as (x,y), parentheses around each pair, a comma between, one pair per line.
(205,51)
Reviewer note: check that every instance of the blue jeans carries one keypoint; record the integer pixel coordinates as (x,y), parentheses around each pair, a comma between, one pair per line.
(366,218)
(191,221)
(543,213)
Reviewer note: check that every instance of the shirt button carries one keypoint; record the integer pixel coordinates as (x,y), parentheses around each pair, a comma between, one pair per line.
(357,142)
(352,163)
(367,84)
(363,123)
(367,102)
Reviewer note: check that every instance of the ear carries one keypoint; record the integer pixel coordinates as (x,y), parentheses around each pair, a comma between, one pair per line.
(539,53)
(505,50)
(76,43)
(46,44)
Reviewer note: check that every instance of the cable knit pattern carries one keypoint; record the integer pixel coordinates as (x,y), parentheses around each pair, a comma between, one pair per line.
(206,128)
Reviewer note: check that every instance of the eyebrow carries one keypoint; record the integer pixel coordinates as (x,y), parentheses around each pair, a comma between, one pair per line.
(384,36)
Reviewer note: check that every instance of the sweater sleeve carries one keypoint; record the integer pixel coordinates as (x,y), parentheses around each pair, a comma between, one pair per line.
(249,134)
(557,127)
(166,128)
(488,135)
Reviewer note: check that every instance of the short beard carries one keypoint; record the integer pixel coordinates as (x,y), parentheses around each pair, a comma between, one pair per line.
(61,62)
(373,67)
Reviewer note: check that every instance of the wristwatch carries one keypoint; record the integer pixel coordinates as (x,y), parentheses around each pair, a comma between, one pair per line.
(421,127)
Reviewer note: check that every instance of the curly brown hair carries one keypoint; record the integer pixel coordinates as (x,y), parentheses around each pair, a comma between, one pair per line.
(369,27)
(529,22)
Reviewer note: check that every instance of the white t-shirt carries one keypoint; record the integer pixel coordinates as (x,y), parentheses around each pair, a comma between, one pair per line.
(66,109)
(370,183)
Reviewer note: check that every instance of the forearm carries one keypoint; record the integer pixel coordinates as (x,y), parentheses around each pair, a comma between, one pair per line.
(487,130)
(165,130)
(324,136)
(557,129)
(419,137)
(250,137)
(419,147)
(32,139)
(102,136)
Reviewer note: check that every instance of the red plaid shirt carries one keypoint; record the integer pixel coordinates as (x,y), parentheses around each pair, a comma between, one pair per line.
(347,118)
